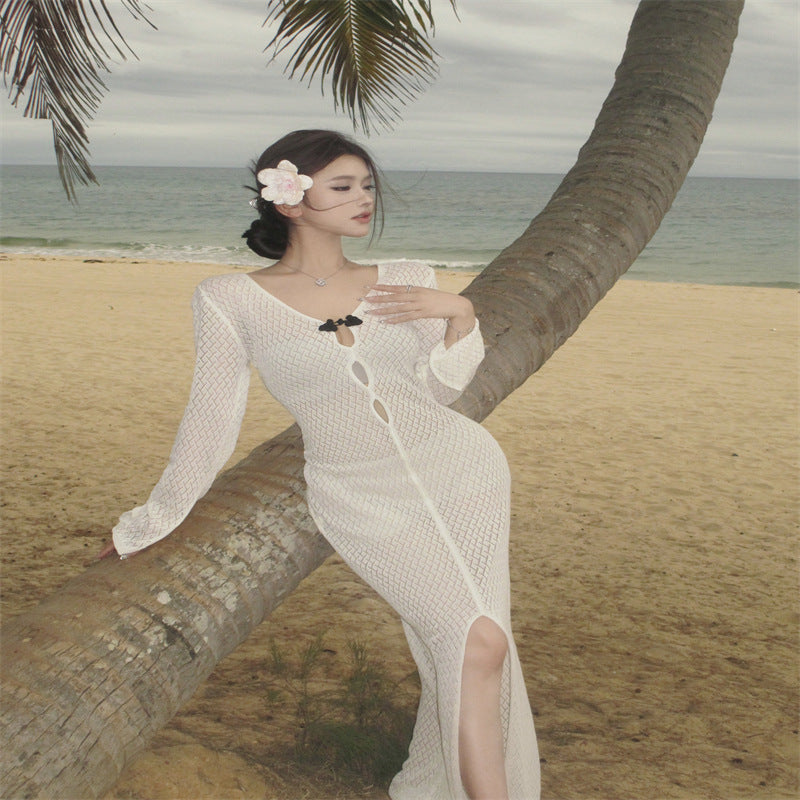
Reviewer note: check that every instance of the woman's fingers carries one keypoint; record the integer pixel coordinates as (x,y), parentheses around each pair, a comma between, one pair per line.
(395,305)
(107,550)
(398,313)
(395,308)
(398,304)
(394,287)
(392,294)
(415,302)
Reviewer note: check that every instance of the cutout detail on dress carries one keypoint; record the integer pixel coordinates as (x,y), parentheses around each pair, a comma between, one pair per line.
(360,372)
(380,410)
(345,337)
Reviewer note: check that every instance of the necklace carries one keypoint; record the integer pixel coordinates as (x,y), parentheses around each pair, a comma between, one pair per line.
(318,281)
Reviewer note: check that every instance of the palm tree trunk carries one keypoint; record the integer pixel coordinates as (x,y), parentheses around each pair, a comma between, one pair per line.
(94,671)
(534,295)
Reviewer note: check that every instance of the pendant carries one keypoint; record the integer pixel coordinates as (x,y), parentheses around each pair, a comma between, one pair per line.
(320,281)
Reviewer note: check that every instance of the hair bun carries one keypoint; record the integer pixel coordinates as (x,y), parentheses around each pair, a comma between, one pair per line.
(268,235)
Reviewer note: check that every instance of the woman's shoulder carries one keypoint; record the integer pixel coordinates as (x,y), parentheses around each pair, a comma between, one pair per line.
(405,271)
(228,281)
(223,288)
(225,294)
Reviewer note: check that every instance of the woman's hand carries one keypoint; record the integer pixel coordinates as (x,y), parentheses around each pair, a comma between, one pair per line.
(406,303)
(108,550)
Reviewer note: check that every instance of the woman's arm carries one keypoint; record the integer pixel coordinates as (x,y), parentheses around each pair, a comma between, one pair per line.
(449,333)
(207,434)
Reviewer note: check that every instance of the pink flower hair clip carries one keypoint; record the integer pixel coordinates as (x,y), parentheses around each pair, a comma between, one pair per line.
(282,185)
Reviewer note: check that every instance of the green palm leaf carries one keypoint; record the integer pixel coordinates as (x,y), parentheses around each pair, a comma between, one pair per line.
(376,53)
(53,50)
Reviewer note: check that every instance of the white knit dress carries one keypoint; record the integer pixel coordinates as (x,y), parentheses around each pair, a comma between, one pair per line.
(411,494)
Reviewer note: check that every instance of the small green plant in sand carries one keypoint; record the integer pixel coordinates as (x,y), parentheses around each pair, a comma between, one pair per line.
(360,723)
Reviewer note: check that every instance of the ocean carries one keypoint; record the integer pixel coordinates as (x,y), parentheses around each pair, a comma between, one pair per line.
(738,231)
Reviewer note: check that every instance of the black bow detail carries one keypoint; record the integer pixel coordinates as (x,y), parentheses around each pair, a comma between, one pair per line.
(349,321)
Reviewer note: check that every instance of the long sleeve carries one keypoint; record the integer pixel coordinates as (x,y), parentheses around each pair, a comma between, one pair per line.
(446,370)
(207,434)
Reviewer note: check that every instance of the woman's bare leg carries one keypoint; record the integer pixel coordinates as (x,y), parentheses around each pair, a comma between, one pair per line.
(480,735)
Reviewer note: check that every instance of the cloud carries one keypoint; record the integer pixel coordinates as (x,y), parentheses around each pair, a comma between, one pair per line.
(520,85)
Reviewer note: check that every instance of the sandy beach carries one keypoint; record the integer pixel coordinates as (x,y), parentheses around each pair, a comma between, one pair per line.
(654,531)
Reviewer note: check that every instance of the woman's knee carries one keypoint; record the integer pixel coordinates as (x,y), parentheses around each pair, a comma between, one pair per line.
(486,647)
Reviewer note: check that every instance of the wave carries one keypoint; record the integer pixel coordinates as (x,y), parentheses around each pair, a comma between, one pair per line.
(211,254)
(207,254)
(36,242)
(241,256)
(769,284)
(456,266)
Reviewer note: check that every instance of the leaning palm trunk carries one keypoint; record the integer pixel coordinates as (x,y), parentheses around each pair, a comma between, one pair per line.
(94,671)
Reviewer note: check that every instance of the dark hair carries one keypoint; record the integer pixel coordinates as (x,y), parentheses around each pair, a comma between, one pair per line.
(310,151)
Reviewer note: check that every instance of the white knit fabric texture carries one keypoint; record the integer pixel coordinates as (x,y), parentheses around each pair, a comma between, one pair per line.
(411,494)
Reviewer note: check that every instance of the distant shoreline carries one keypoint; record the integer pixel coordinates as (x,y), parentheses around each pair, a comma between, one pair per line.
(457,269)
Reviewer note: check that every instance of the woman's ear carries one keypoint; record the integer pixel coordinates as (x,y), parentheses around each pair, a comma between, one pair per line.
(292,212)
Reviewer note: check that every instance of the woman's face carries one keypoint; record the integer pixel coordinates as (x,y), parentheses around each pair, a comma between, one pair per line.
(342,199)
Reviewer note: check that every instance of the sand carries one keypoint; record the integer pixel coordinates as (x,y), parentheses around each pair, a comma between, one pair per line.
(654,539)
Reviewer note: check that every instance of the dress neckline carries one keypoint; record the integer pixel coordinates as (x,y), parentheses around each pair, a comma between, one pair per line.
(296,311)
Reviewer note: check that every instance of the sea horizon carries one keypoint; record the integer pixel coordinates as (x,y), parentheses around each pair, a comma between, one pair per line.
(54,167)
(720,230)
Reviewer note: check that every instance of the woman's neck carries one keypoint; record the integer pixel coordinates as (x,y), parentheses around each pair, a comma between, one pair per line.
(313,252)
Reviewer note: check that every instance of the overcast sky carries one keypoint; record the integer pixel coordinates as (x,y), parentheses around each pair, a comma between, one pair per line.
(519,88)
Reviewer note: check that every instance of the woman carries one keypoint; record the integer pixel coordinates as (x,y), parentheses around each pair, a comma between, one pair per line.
(413,496)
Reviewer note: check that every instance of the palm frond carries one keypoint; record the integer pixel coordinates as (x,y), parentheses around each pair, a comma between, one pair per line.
(54,51)
(376,54)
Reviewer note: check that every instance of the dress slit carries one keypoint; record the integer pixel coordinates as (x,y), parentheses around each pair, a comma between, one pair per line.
(443,703)
(504,693)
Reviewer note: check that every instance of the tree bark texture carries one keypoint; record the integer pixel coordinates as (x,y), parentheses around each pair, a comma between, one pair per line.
(537,291)
(94,671)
